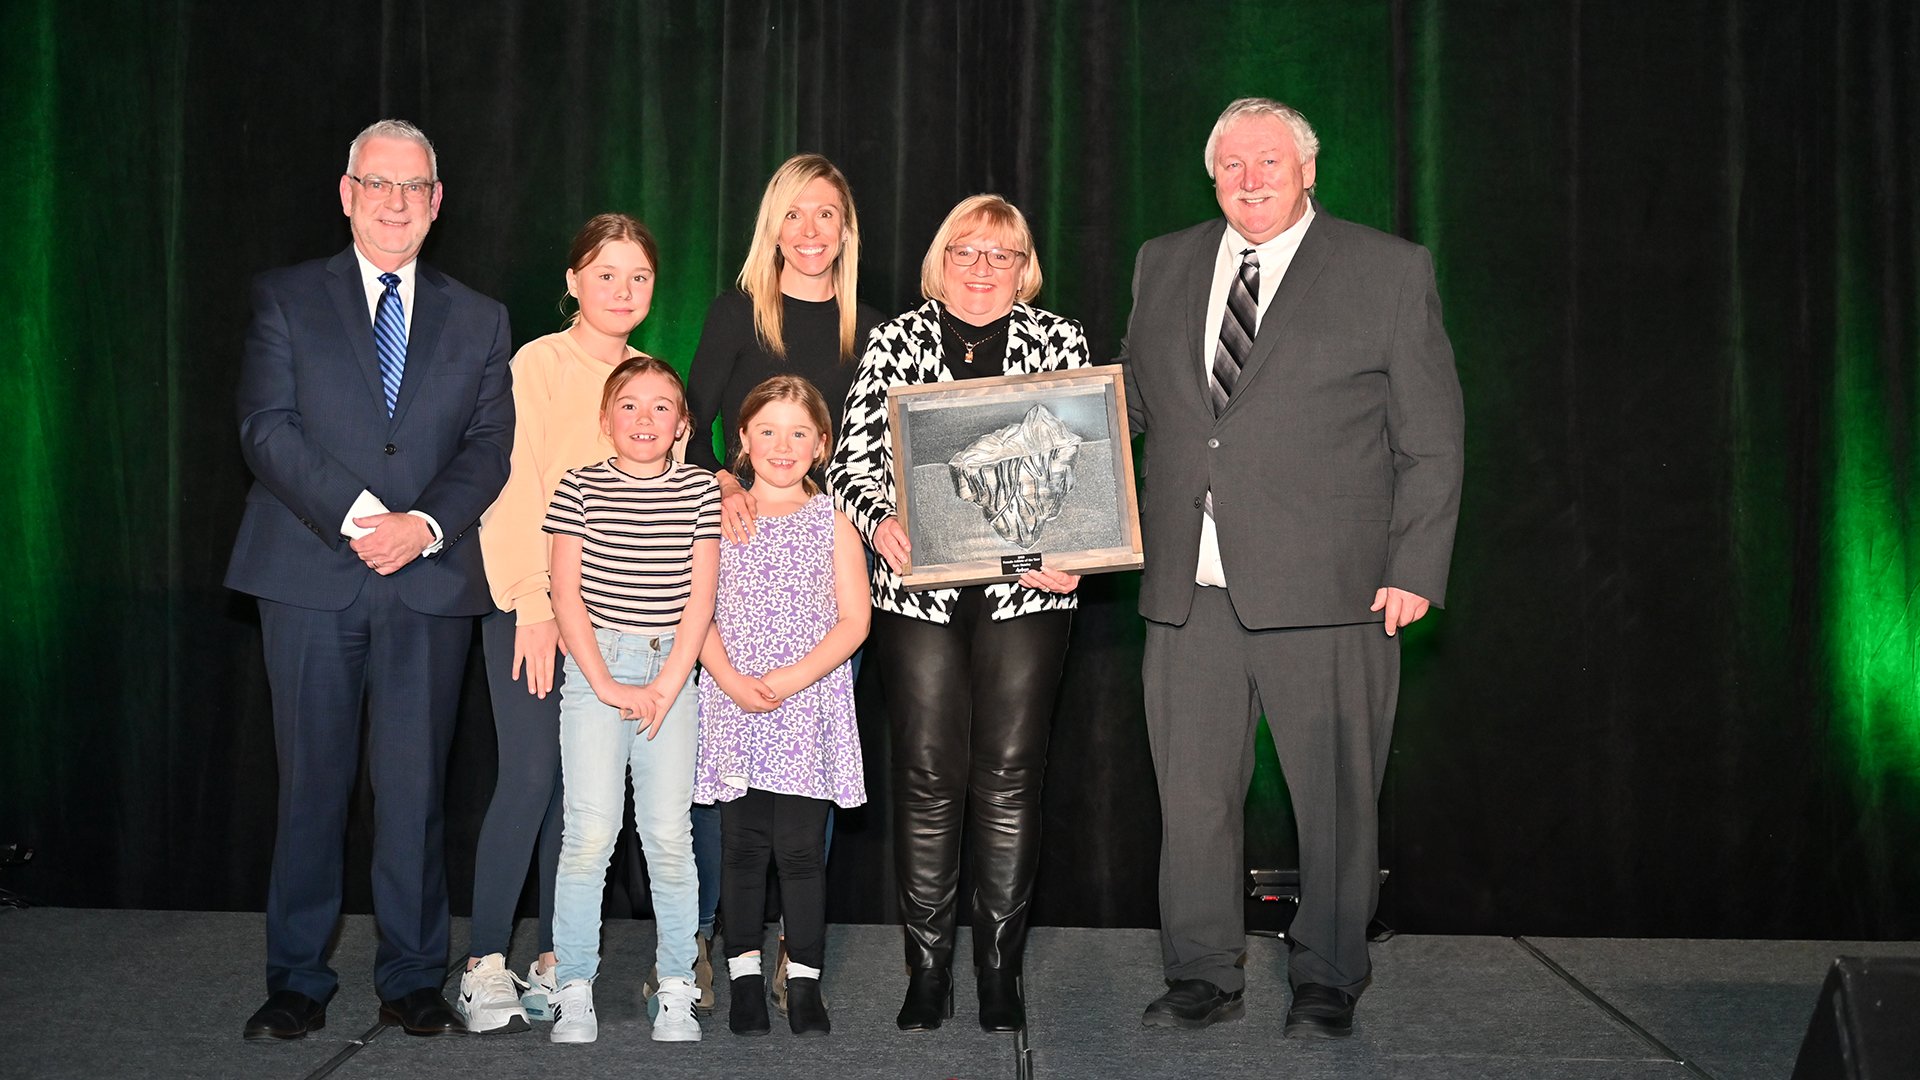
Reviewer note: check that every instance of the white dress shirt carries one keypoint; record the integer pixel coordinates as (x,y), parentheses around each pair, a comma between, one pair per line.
(369,504)
(1274,256)
(370,281)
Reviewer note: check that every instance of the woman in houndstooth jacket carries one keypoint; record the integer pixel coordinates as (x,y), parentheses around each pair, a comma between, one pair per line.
(970,674)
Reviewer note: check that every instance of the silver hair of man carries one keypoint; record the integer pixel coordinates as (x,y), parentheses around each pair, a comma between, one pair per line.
(394,129)
(1304,140)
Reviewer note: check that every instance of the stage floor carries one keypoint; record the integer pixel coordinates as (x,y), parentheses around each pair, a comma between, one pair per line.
(91,994)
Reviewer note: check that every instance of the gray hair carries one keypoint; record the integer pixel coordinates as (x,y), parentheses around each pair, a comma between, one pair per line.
(1304,140)
(396,129)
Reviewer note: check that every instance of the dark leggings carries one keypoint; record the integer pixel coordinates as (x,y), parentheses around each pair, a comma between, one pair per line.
(523,817)
(970,704)
(792,830)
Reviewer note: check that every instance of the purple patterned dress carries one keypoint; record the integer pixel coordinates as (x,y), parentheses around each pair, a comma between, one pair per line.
(775,603)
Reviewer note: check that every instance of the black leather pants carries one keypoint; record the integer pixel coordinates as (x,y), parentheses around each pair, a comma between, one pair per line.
(970,706)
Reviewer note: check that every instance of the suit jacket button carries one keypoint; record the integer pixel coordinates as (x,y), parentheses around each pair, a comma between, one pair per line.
(1199,502)
(390,448)
(1212,444)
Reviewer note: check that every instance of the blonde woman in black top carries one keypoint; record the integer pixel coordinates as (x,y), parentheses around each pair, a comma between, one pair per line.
(795,312)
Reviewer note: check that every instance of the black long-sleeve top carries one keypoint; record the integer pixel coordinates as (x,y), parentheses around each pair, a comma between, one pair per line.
(730,361)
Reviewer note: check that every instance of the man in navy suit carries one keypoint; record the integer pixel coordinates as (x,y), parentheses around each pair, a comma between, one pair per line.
(376,416)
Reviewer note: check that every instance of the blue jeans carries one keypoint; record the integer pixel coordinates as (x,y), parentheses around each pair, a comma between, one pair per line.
(706,858)
(597,749)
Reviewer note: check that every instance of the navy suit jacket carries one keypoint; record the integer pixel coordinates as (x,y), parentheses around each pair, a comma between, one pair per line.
(315,431)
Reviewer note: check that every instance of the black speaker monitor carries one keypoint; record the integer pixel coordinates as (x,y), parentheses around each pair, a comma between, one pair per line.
(1867,1024)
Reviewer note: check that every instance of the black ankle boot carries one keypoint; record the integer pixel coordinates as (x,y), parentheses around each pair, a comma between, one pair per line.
(806,1009)
(747,1007)
(929,999)
(1002,1006)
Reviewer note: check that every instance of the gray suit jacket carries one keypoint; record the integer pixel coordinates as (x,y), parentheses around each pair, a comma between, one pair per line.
(1336,466)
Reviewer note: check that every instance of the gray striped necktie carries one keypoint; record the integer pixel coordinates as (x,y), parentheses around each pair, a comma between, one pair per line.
(1237,327)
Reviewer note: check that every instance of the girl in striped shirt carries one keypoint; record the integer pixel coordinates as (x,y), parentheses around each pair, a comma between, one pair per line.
(636,553)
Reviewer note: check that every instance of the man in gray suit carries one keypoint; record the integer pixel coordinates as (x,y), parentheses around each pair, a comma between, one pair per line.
(1302,477)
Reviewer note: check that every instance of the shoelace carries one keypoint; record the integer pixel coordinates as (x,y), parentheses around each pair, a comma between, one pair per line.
(499,984)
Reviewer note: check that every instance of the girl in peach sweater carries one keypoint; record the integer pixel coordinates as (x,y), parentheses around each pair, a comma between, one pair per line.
(557,382)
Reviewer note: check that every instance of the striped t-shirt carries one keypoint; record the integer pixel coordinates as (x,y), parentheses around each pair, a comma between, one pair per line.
(636,540)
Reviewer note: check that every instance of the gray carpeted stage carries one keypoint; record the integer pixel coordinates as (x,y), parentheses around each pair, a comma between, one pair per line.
(92,994)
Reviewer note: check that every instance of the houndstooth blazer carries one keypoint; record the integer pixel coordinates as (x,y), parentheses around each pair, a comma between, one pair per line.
(906,350)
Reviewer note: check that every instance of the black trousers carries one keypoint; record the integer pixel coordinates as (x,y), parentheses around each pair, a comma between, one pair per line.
(792,831)
(970,706)
(522,823)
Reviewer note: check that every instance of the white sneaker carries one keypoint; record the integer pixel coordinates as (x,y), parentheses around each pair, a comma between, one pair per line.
(573,1019)
(490,998)
(675,1020)
(541,988)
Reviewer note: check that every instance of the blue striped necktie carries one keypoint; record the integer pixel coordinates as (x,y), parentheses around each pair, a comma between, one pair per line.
(390,337)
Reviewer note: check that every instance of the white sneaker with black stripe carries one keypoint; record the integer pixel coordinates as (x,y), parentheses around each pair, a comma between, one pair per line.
(490,998)
(675,1022)
(541,988)
(573,1019)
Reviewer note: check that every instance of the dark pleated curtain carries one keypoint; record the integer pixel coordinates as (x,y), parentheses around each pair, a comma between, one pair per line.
(1676,691)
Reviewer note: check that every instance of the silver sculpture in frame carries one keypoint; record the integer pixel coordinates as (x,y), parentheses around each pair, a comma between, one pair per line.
(997,476)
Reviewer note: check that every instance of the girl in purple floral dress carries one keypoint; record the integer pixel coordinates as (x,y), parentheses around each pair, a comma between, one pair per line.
(778,743)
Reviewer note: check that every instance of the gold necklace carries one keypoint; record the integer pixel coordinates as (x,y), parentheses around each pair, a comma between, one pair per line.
(971,345)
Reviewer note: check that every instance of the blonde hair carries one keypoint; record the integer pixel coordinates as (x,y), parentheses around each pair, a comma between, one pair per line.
(981,214)
(802,393)
(760,274)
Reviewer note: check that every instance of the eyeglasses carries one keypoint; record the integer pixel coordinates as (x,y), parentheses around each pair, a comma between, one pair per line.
(998,258)
(380,187)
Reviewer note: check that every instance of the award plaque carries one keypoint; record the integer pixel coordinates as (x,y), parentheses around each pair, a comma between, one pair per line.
(999,476)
